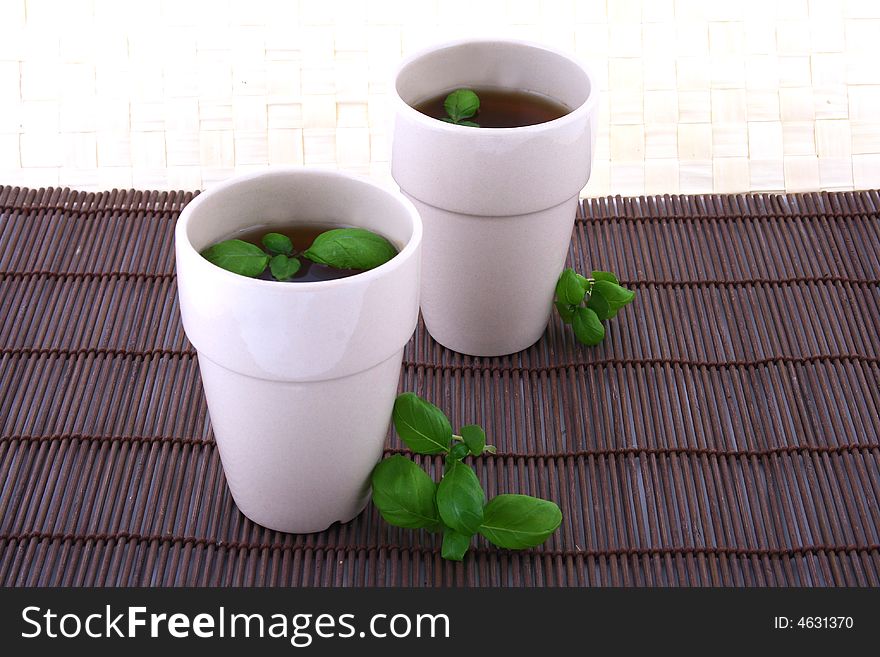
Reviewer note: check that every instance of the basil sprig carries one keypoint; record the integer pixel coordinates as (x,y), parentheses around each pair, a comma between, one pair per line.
(340,248)
(586,302)
(456,507)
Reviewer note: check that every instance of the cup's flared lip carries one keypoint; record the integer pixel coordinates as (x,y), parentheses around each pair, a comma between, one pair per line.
(576,114)
(182,241)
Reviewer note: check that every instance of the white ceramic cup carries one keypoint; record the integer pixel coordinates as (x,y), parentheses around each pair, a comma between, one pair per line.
(300,378)
(498,204)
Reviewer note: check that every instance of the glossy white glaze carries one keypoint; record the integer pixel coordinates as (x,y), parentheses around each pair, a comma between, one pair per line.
(498,204)
(300,378)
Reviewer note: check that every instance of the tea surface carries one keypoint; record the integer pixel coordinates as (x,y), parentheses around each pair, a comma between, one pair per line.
(302,236)
(502,108)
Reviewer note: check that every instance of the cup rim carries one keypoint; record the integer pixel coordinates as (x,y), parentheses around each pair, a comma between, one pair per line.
(574,115)
(183,242)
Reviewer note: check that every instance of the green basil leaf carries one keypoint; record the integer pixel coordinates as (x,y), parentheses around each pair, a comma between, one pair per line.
(460,499)
(237,256)
(569,289)
(587,327)
(455,545)
(457,453)
(616,296)
(585,282)
(519,521)
(469,124)
(566,311)
(461,104)
(283,268)
(350,248)
(599,305)
(474,437)
(404,494)
(277,244)
(421,425)
(605,276)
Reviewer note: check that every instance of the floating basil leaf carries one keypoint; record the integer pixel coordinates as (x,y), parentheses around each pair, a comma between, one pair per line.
(461,104)
(350,248)
(237,256)
(277,244)
(283,268)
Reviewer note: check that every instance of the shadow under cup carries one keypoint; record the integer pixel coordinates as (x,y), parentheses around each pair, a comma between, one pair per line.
(300,378)
(498,204)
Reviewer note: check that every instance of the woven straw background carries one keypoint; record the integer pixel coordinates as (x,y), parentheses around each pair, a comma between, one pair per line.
(705,96)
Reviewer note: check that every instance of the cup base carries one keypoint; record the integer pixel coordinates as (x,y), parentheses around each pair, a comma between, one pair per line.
(289,528)
(462,345)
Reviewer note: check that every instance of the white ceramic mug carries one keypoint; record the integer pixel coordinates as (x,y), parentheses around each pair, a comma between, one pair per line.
(498,204)
(300,378)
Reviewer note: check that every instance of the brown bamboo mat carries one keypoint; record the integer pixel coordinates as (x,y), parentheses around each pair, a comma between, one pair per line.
(726,432)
